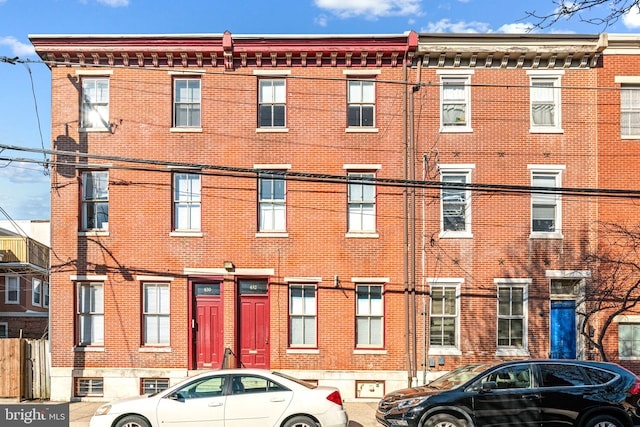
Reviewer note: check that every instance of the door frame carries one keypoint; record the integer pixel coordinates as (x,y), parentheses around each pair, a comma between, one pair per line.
(238,314)
(191,318)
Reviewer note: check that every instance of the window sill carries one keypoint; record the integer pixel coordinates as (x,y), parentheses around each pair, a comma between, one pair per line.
(513,352)
(272,130)
(185,130)
(303,351)
(456,235)
(186,234)
(456,129)
(90,130)
(541,235)
(89,349)
(272,234)
(627,137)
(543,129)
(444,351)
(96,233)
(369,351)
(362,235)
(361,130)
(154,350)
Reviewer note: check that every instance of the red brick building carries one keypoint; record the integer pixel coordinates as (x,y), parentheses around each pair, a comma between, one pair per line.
(361,211)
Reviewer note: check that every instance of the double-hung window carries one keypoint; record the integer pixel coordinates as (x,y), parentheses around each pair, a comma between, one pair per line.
(4,330)
(90,313)
(302,315)
(186,102)
(545,101)
(12,289)
(95,103)
(361,103)
(95,200)
(629,340)
(45,295)
(444,320)
(362,203)
(272,103)
(630,110)
(186,201)
(546,207)
(455,101)
(36,292)
(455,200)
(156,314)
(369,316)
(512,314)
(272,203)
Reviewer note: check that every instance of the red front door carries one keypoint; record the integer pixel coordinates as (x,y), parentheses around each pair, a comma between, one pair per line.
(254,323)
(208,326)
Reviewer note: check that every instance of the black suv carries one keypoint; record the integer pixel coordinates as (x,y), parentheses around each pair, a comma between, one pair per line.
(520,393)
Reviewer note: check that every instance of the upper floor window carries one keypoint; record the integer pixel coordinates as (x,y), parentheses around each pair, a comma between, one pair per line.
(95,200)
(272,206)
(4,330)
(546,207)
(302,315)
(45,294)
(186,201)
(362,202)
(455,101)
(186,100)
(36,292)
(12,289)
(545,99)
(90,313)
(361,103)
(455,200)
(272,103)
(512,316)
(444,318)
(156,313)
(369,316)
(630,110)
(95,103)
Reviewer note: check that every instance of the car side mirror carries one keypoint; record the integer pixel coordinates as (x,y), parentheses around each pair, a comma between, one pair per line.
(488,386)
(177,396)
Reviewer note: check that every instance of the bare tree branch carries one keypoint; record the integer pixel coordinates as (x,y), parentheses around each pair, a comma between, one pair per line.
(597,12)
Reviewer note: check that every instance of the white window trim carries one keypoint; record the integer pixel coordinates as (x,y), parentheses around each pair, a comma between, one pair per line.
(160,283)
(78,314)
(627,319)
(467,170)
(458,75)
(266,168)
(524,284)
(627,80)
(193,203)
(35,281)
(369,75)
(186,76)
(371,347)
(94,74)
(304,283)
(556,76)
(556,170)
(6,289)
(45,295)
(435,350)
(354,233)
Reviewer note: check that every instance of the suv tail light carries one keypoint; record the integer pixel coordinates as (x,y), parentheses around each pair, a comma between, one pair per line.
(337,399)
(635,388)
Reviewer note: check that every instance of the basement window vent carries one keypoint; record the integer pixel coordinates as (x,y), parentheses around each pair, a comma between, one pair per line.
(89,387)
(154,385)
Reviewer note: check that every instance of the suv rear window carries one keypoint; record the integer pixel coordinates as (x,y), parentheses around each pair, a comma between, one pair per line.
(561,375)
(599,376)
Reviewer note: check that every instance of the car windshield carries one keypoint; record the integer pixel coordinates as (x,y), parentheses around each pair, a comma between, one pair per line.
(457,377)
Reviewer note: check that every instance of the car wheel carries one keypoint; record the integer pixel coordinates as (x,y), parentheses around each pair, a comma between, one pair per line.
(300,421)
(444,420)
(604,421)
(132,421)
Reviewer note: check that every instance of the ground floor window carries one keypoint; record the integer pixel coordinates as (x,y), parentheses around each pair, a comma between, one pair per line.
(629,340)
(93,387)
(4,330)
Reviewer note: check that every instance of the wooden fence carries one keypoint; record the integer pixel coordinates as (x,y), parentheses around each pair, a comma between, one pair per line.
(24,369)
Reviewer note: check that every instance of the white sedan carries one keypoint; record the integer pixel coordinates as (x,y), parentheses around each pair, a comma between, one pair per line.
(230,398)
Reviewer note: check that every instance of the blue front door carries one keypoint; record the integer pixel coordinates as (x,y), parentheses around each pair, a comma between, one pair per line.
(563,330)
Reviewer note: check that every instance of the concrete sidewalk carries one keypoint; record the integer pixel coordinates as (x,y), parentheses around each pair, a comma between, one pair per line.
(361,413)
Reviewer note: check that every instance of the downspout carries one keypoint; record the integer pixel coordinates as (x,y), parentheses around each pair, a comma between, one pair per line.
(414,260)
(405,208)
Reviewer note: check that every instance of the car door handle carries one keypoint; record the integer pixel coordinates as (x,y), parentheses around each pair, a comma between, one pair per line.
(214,404)
(277,399)
(531,396)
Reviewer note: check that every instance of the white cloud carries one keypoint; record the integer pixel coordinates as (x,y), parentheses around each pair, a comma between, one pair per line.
(517,28)
(632,18)
(370,8)
(115,3)
(22,173)
(17,47)
(321,20)
(447,26)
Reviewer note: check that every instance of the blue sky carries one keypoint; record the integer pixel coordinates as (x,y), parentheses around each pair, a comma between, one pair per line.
(25,96)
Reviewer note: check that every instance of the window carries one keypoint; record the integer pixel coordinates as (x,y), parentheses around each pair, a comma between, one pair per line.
(242,384)
(4,330)
(95,200)
(302,315)
(156,314)
(369,316)
(186,98)
(90,314)
(455,202)
(545,202)
(361,100)
(95,103)
(545,103)
(36,292)
(514,376)
(630,110)
(629,340)
(561,375)
(272,103)
(12,289)
(512,322)
(203,387)
(272,203)
(455,102)
(186,201)
(443,330)
(45,294)
(89,387)
(154,385)
(362,202)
